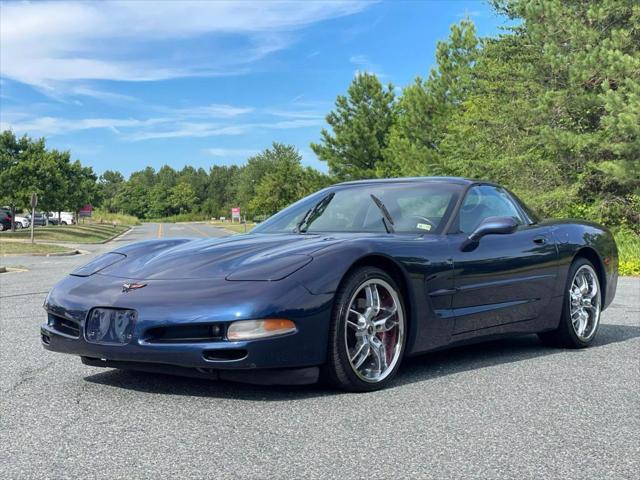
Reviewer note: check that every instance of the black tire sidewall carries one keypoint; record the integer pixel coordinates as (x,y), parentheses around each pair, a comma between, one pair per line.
(338,359)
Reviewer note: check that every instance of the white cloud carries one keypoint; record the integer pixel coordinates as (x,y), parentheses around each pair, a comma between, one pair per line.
(182,130)
(300,114)
(48,43)
(177,123)
(204,130)
(101,94)
(231,152)
(365,64)
(56,125)
(214,110)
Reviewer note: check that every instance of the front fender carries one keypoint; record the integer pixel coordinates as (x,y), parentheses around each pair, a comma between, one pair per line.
(585,238)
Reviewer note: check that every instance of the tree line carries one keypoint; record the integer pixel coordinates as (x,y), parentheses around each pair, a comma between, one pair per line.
(550,108)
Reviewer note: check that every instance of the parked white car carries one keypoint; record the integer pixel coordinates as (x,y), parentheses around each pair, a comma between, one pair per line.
(22,222)
(66,218)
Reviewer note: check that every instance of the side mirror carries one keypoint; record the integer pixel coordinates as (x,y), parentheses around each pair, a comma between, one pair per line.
(490,226)
(494,225)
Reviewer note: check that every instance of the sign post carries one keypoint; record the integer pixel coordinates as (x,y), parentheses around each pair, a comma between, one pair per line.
(235,214)
(34,202)
(85,211)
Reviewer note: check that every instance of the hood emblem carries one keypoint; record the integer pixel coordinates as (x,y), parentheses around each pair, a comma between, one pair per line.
(127,287)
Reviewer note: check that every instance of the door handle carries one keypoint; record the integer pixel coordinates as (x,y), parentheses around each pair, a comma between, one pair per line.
(540,240)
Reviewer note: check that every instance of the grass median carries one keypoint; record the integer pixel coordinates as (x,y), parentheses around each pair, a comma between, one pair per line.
(22,248)
(89,233)
(234,227)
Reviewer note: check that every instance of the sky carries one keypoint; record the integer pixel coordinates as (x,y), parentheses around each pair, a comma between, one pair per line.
(124,85)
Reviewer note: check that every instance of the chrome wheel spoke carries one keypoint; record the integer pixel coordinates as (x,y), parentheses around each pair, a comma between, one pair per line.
(373,301)
(358,315)
(352,325)
(361,354)
(583,285)
(387,321)
(582,323)
(360,324)
(379,351)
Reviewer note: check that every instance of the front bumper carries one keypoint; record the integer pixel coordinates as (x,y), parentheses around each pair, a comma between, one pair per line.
(284,376)
(222,303)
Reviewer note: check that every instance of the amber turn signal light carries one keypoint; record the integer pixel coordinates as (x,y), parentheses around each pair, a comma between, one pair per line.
(253,329)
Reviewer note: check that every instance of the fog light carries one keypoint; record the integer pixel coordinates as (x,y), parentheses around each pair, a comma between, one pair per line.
(252,329)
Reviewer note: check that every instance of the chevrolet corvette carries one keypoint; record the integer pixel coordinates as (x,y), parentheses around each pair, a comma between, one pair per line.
(341,285)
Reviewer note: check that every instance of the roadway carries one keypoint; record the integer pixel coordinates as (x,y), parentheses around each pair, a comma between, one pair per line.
(505,409)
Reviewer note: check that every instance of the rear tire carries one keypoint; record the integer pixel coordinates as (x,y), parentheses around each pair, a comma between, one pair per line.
(367,334)
(581,308)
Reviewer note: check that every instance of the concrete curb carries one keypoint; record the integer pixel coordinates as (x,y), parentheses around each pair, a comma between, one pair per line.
(12,269)
(116,237)
(51,254)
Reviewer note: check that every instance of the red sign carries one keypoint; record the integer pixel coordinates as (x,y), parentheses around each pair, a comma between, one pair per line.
(235,211)
(85,211)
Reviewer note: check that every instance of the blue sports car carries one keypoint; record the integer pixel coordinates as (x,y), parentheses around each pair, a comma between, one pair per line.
(342,284)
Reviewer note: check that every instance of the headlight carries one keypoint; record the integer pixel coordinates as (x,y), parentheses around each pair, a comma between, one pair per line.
(253,329)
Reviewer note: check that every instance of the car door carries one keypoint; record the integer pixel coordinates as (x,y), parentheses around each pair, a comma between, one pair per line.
(503,278)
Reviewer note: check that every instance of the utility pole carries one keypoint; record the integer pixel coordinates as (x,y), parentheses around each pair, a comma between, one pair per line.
(34,202)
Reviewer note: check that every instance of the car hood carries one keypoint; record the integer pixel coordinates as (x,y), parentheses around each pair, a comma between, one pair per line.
(260,257)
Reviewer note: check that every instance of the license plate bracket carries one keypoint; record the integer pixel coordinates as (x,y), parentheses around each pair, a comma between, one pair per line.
(110,326)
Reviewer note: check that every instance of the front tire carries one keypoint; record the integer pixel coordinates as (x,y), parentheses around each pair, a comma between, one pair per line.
(581,308)
(368,329)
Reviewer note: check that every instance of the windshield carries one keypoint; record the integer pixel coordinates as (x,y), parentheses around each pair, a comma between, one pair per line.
(412,207)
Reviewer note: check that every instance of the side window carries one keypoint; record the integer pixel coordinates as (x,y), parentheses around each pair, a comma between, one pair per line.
(486,201)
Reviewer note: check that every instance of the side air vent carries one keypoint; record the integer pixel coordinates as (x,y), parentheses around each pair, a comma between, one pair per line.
(64,325)
(224,354)
(184,334)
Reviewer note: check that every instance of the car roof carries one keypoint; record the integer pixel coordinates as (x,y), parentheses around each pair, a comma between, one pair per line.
(453,180)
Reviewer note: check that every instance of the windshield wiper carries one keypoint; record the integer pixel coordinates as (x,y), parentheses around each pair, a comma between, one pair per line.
(386,219)
(313,213)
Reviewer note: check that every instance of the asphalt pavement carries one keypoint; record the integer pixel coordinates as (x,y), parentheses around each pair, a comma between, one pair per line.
(505,409)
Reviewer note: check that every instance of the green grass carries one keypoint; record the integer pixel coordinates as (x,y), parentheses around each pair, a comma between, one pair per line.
(183,217)
(100,216)
(628,252)
(234,227)
(88,233)
(16,248)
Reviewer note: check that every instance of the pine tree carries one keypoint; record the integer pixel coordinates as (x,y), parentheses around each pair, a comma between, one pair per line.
(360,122)
(426,106)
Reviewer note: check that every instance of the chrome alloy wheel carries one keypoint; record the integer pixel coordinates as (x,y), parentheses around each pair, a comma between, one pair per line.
(374,330)
(584,302)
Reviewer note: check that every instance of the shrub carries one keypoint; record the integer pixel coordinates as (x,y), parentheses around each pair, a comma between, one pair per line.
(102,216)
(628,251)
